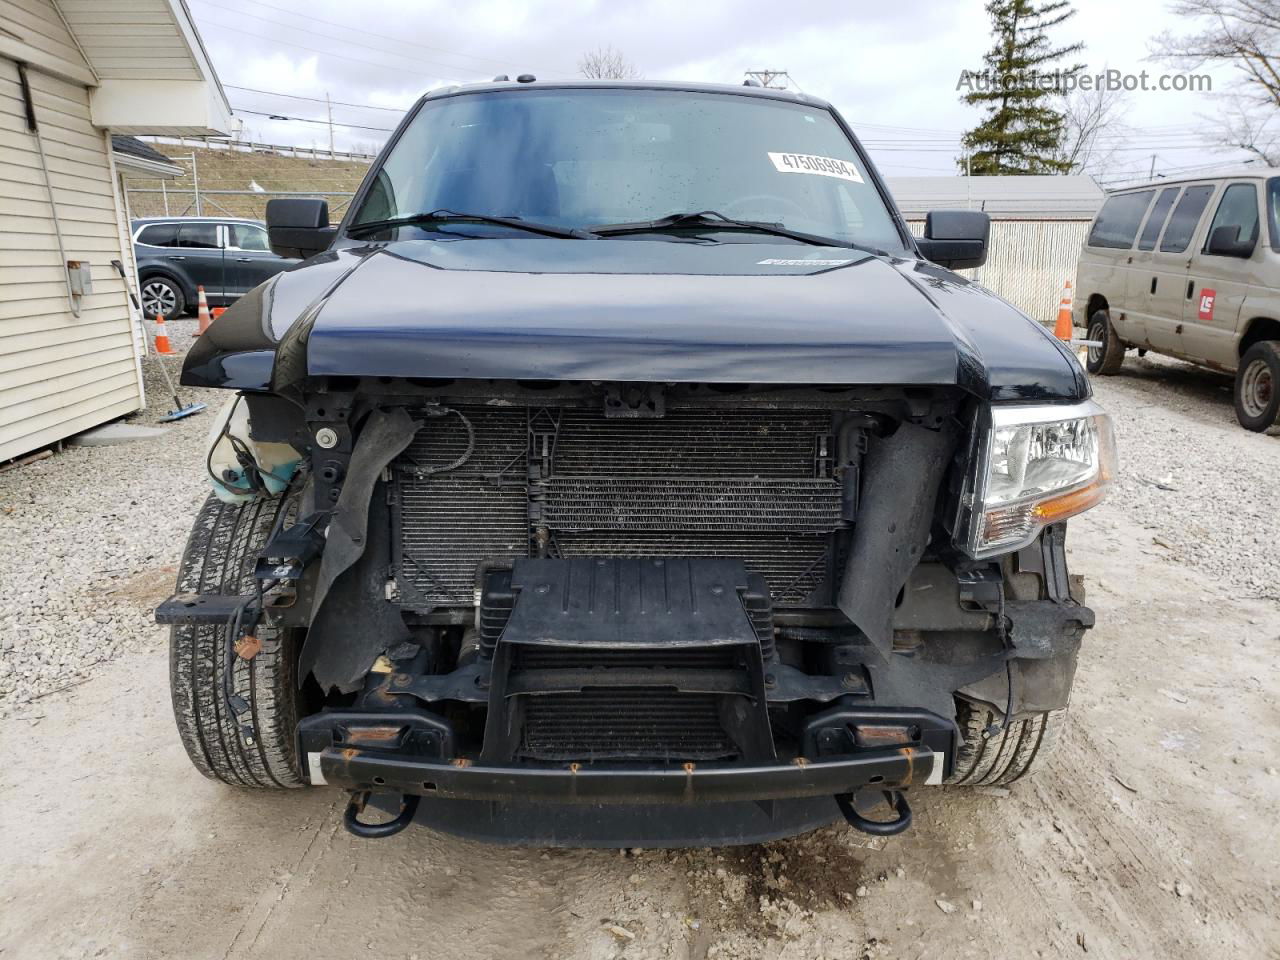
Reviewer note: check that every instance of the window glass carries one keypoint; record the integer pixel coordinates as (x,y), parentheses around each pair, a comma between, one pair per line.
(203,235)
(1182,225)
(248,237)
(1238,212)
(1118,220)
(159,235)
(1159,214)
(590,157)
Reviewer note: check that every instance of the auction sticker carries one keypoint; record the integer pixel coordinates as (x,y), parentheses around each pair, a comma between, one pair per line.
(819,166)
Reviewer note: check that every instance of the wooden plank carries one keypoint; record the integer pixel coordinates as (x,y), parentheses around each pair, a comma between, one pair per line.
(25,189)
(58,166)
(39,25)
(14,226)
(85,248)
(56,314)
(54,428)
(48,352)
(53,307)
(78,382)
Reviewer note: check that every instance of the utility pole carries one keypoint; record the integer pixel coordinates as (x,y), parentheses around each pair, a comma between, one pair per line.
(1152,175)
(774,79)
(329,107)
(195,182)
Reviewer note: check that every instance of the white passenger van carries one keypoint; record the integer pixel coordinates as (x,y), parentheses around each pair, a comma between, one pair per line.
(1190,268)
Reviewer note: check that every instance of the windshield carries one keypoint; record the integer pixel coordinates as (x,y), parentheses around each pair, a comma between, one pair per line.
(590,157)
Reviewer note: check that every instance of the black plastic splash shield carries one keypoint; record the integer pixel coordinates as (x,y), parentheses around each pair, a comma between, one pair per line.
(630,603)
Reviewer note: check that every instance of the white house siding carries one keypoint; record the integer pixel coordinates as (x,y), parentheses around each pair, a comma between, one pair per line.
(1029,261)
(59,374)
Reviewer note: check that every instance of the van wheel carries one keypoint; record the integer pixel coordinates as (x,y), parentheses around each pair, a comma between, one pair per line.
(1258,386)
(1107,358)
(988,759)
(220,558)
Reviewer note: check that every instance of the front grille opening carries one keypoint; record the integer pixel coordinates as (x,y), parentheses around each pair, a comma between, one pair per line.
(747,483)
(624,724)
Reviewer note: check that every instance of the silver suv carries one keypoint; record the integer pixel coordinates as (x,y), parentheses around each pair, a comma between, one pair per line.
(1190,269)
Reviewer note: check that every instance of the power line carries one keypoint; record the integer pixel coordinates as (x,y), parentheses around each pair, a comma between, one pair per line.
(345,41)
(297,96)
(383,36)
(280,116)
(323,53)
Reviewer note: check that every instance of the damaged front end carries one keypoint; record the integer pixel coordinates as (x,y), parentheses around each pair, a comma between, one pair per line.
(621,614)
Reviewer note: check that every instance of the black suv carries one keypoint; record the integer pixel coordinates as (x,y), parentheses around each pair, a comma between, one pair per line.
(228,257)
(621,471)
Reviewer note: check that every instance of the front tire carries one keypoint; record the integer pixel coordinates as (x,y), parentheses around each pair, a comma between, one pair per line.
(219,559)
(990,759)
(1257,392)
(1106,359)
(162,296)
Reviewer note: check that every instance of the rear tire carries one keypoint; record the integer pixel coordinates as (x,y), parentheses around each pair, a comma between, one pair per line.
(1104,360)
(1257,391)
(1001,758)
(161,295)
(219,559)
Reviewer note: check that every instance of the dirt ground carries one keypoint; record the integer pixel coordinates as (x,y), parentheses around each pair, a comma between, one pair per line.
(1153,834)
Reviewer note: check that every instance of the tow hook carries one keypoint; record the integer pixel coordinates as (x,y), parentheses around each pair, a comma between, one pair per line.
(370,831)
(880,828)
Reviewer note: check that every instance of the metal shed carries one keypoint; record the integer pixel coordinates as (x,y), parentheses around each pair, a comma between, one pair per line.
(72,72)
(1038,226)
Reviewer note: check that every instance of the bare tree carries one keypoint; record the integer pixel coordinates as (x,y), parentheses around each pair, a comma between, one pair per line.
(1244,35)
(606,63)
(1093,129)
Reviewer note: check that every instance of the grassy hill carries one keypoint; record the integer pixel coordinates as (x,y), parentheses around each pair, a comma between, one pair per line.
(224,169)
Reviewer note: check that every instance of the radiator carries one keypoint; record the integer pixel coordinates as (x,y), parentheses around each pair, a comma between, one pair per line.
(748,483)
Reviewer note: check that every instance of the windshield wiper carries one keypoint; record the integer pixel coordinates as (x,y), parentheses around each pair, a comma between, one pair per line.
(453,216)
(710,218)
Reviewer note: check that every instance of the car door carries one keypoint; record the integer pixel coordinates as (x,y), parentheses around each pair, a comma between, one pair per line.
(1140,280)
(199,249)
(1169,265)
(1226,262)
(251,258)
(1108,245)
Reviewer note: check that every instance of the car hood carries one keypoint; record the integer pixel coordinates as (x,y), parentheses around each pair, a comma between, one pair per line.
(632,310)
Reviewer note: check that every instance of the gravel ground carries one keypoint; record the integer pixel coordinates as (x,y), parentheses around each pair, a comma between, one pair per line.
(1205,487)
(1146,837)
(94,533)
(92,539)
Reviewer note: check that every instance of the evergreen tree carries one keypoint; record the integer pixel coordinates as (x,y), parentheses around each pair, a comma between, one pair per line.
(1022,132)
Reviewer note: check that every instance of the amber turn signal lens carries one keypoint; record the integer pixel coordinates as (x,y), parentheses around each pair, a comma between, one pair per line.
(1069,504)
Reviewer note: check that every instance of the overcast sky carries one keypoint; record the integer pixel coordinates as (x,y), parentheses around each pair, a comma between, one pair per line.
(891,68)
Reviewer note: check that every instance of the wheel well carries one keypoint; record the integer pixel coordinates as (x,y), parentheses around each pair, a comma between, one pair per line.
(1259,329)
(146,275)
(1096,302)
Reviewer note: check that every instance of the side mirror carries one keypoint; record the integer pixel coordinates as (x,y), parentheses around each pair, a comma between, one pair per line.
(298,227)
(1225,242)
(955,239)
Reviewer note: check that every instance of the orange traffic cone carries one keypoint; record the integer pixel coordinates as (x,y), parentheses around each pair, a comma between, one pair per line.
(202,312)
(162,338)
(218,311)
(1062,329)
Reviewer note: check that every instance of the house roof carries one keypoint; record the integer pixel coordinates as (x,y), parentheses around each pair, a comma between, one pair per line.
(137,159)
(1007,198)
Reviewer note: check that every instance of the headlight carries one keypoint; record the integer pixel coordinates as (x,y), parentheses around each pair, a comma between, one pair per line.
(1035,466)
